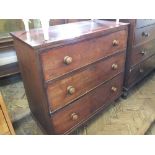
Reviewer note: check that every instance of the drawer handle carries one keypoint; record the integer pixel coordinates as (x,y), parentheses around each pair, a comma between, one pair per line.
(143,52)
(141,70)
(114,66)
(114,89)
(70,90)
(115,42)
(74,116)
(145,34)
(67,60)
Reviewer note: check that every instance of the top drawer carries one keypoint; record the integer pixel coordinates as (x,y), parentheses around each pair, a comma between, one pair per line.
(144,22)
(144,34)
(59,61)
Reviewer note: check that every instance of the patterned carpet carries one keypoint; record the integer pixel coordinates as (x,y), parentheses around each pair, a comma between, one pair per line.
(132,116)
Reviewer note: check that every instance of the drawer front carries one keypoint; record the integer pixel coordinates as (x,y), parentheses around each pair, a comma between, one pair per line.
(139,71)
(142,52)
(86,106)
(60,61)
(144,22)
(68,89)
(144,34)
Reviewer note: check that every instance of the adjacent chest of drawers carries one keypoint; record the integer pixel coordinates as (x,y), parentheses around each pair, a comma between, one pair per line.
(141,51)
(74,74)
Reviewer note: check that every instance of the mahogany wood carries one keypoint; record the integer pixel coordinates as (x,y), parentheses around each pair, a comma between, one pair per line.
(84,80)
(73,71)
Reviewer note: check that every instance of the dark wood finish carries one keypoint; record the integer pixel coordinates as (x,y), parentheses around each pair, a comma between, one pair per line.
(144,34)
(82,54)
(30,71)
(79,54)
(140,71)
(84,81)
(64,34)
(142,52)
(86,106)
(139,65)
(6,43)
(9,69)
(144,22)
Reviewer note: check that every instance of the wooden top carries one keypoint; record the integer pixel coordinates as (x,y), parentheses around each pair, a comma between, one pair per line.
(64,34)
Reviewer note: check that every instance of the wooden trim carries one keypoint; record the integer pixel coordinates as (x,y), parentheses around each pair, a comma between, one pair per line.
(6,42)
(7,118)
(9,69)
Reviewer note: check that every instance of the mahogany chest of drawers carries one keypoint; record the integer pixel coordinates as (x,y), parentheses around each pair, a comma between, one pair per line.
(140,52)
(74,74)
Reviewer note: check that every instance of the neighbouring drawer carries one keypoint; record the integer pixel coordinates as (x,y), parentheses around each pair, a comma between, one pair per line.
(68,89)
(144,22)
(86,106)
(59,61)
(144,34)
(142,52)
(139,71)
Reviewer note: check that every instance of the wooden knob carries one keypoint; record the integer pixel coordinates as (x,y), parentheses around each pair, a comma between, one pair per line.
(143,52)
(74,116)
(145,34)
(141,70)
(114,89)
(114,66)
(115,42)
(70,90)
(67,60)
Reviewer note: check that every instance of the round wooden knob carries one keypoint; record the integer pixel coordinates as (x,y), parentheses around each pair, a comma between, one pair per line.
(114,66)
(67,60)
(143,52)
(114,89)
(115,43)
(74,116)
(70,90)
(145,34)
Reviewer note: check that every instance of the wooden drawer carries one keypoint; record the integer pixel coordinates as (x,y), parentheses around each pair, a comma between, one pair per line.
(144,22)
(86,106)
(142,52)
(144,34)
(139,71)
(80,54)
(68,89)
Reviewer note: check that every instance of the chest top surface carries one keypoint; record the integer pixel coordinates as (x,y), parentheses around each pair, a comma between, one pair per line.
(65,33)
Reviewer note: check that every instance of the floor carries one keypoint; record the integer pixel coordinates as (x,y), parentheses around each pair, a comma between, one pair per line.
(135,115)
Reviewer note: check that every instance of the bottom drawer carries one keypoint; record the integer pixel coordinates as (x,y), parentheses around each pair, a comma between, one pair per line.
(79,111)
(139,71)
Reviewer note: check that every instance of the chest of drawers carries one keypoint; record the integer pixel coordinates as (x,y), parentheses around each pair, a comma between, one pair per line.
(73,75)
(141,50)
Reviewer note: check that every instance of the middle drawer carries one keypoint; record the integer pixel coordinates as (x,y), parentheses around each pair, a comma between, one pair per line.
(142,52)
(64,91)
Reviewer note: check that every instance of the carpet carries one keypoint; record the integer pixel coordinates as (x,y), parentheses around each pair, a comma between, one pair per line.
(132,116)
